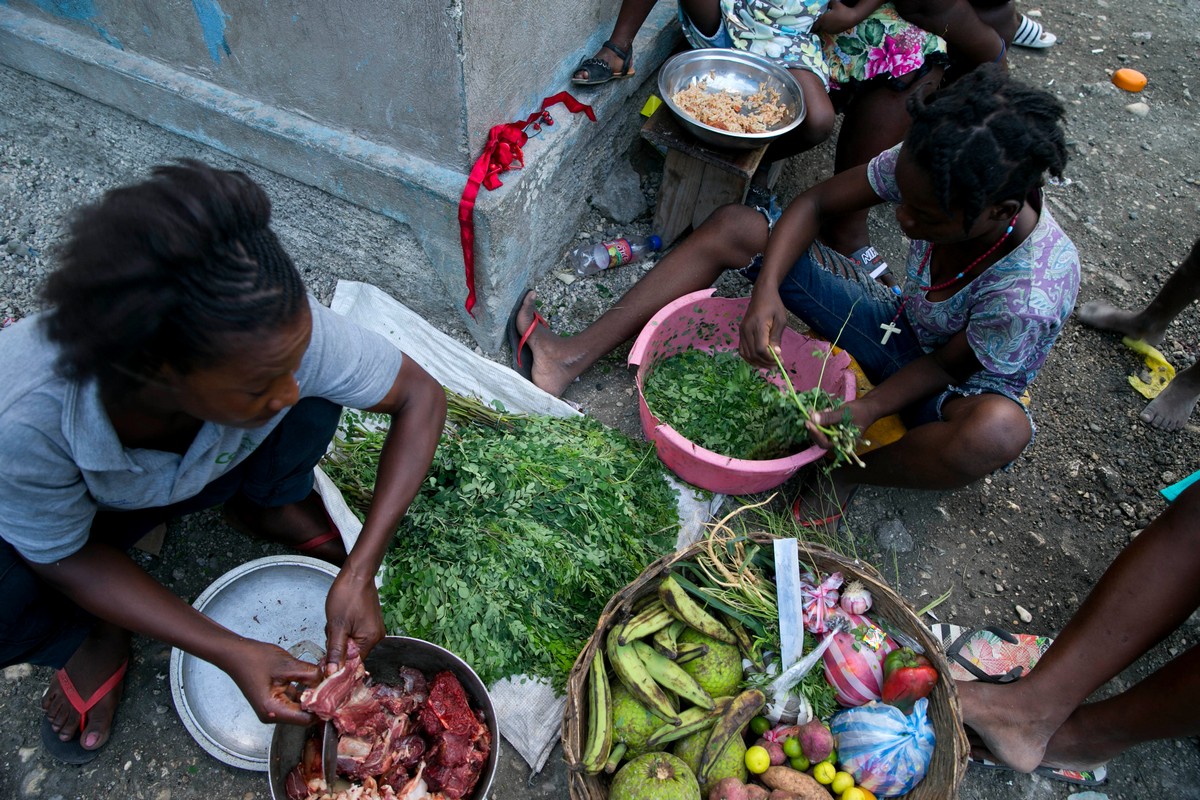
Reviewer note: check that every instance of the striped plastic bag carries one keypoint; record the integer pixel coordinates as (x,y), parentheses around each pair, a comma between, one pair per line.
(854,662)
(887,752)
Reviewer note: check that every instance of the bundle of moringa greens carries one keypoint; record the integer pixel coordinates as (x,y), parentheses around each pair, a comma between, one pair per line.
(524,528)
(726,405)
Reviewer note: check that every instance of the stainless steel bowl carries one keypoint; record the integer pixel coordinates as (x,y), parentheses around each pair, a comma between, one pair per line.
(384,663)
(730,70)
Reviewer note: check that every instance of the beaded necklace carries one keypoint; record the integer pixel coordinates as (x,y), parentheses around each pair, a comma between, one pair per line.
(890,327)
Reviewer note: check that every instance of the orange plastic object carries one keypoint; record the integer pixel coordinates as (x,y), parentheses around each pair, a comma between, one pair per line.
(704,322)
(1129,79)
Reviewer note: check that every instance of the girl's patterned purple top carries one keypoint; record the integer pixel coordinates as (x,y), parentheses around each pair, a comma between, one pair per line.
(1012,312)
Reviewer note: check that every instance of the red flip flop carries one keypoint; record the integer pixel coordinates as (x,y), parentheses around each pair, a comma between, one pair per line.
(832,519)
(523,366)
(73,751)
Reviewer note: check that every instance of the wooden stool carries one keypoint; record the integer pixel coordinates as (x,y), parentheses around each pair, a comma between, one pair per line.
(697,179)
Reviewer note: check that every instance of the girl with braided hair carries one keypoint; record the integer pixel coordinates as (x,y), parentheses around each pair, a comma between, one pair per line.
(991,278)
(181,365)
(978,312)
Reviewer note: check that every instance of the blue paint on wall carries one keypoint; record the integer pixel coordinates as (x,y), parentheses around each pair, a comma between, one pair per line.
(212,23)
(81,11)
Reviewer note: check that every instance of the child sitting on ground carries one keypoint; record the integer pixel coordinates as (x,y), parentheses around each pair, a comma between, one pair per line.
(1173,406)
(990,279)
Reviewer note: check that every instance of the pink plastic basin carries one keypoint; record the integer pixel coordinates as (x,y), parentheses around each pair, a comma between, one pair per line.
(703,322)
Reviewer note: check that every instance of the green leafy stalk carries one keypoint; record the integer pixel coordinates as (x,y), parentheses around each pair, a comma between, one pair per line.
(843,434)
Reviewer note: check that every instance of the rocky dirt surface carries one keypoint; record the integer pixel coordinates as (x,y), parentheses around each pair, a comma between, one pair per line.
(1036,537)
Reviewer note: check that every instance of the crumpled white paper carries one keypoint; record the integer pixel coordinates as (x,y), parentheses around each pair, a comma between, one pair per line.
(528,710)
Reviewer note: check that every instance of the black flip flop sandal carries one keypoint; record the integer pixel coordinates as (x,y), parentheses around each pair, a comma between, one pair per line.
(954,653)
(598,70)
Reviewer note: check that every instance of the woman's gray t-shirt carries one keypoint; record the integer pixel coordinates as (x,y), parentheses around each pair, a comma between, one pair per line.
(61,460)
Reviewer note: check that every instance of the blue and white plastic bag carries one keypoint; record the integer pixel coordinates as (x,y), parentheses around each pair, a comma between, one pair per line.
(887,752)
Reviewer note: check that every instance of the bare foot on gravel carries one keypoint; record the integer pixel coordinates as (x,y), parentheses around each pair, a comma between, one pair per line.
(1173,407)
(1012,738)
(96,660)
(551,362)
(1108,317)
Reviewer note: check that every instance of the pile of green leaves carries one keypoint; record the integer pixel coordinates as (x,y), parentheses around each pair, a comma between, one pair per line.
(724,404)
(524,528)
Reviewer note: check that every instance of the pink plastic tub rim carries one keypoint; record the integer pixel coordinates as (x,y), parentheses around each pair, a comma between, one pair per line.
(700,466)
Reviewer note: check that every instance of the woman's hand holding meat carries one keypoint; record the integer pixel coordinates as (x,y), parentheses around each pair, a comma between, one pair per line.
(266,674)
(352,611)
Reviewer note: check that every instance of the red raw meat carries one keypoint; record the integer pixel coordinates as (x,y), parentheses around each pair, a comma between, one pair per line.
(335,690)
(377,744)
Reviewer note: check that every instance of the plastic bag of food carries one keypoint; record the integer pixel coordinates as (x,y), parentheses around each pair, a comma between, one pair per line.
(854,662)
(887,752)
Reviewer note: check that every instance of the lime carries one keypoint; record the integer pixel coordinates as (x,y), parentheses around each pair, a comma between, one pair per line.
(760,725)
(757,759)
(823,772)
(800,763)
(855,793)
(841,782)
(831,758)
(791,747)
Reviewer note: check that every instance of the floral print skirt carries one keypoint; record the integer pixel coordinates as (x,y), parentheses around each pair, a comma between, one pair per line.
(882,45)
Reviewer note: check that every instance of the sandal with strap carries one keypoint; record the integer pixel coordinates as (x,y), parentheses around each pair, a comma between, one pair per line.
(1030,33)
(73,751)
(522,354)
(598,71)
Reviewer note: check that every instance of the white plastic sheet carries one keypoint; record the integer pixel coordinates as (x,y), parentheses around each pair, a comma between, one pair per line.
(527,709)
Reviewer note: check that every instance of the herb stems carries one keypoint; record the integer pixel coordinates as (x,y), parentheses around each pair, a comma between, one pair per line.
(843,434)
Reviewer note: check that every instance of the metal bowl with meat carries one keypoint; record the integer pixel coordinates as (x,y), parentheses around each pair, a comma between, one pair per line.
(410,722)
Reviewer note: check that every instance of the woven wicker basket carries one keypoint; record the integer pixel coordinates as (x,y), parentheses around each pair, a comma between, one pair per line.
(950,755)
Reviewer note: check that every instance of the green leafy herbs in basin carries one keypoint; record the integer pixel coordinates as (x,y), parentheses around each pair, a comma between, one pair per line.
(523,530)
(724,404)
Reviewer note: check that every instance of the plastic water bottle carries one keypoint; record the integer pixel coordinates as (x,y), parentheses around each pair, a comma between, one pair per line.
(588,259)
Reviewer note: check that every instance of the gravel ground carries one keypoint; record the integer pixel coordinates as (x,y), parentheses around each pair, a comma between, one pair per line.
(1037,536)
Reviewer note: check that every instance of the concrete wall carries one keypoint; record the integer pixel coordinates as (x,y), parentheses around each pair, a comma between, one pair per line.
(385,104)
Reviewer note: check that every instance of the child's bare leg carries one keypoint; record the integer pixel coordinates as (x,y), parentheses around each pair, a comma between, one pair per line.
(728,239)
(1161,707)
(1180,290)
(970,39)
(630,19)
(100,655)
(978,436)
(1001,16)
(819,120)
(1148,591)
(875,120)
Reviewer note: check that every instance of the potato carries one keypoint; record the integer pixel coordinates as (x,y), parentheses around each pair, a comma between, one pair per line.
(781,794)
(756,792)
(804,787)
(728,789)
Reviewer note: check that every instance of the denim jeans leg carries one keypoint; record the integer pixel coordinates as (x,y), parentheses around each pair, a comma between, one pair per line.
(849,309)
(280,471)
(39,625)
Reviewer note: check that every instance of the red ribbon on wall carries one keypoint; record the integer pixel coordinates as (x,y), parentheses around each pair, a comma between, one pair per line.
(501,153)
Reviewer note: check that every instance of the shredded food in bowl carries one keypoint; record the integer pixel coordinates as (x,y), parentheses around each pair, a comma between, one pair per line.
(731,110)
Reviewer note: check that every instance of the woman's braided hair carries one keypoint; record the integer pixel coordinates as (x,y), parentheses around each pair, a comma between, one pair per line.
(985,139)
(157,273)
